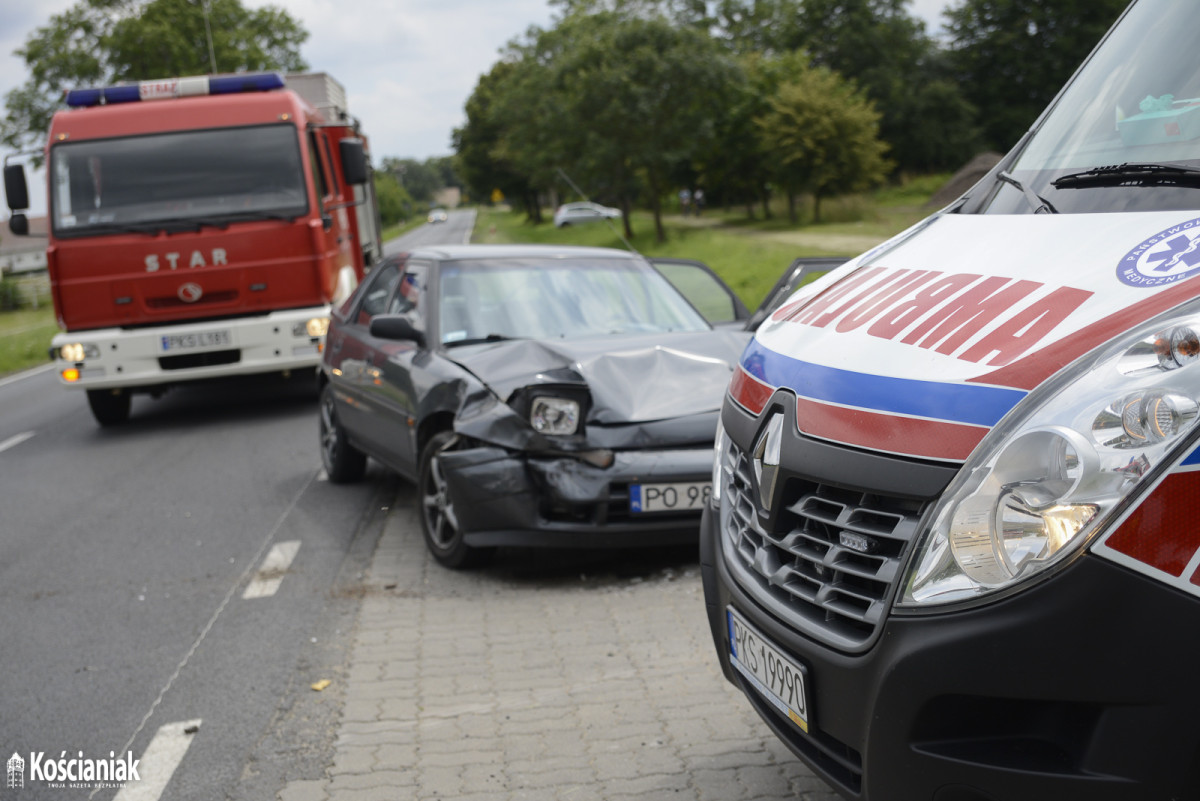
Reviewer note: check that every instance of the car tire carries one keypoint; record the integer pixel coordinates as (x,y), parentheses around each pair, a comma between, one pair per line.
(344,463)
(439,524)
(110,407)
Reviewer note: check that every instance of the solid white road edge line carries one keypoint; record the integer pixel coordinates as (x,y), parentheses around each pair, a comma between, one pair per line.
(157,763)
(14,441)
(270,575)
(212,621)
(12,379)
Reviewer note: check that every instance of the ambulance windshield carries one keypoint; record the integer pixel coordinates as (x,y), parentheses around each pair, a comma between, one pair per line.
(176,181)
(1125,135)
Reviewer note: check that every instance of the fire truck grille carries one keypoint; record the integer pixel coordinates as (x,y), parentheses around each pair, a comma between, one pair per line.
(172,302)
(828,566)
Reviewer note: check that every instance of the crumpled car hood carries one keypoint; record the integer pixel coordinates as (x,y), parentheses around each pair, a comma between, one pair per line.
(635,378)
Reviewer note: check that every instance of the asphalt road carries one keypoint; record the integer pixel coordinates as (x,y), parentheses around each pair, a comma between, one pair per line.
(125,554)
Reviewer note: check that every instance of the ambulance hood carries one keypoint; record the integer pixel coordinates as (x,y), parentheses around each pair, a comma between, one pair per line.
(921,345)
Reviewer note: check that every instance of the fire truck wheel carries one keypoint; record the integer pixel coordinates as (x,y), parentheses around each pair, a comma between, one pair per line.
(343,462)
(109,406)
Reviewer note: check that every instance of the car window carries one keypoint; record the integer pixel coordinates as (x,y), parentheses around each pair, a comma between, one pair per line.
(553,299)
(375,296)
(409,297)
(704,290)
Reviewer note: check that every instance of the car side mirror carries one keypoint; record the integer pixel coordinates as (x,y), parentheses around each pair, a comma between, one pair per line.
(396,326)
(354,161)
(19,224)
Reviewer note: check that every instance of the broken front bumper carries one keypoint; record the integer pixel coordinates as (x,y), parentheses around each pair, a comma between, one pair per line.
(506,498)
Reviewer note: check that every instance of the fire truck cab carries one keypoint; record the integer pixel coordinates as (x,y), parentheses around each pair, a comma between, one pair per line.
(199,228)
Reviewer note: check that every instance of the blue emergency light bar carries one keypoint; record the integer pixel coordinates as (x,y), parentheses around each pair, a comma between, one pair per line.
(175,87)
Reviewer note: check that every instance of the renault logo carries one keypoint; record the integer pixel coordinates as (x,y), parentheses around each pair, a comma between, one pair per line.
(766,459)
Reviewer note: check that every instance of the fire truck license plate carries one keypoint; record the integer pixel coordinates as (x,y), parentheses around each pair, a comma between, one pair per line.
(679,497)
(197,340)
(776,677)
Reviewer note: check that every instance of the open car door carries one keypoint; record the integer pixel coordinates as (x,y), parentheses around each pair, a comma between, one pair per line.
(801,272)
(705,290)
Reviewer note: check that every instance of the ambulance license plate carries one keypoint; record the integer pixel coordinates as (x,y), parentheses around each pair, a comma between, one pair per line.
(777,678)
(678,497)
(197,340)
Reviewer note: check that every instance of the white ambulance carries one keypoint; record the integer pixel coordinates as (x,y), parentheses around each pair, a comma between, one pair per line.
(953,552)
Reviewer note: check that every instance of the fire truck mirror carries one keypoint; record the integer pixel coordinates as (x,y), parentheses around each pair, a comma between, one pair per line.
(354,161)
(15,188)
(19,224)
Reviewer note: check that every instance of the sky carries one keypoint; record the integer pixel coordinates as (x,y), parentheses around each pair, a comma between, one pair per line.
(408,66)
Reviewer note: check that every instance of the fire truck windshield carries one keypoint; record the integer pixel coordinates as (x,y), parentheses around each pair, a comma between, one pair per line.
(176,181)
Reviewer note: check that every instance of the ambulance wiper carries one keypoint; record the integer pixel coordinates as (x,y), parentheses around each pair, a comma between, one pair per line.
(1038,202)
(1131,174)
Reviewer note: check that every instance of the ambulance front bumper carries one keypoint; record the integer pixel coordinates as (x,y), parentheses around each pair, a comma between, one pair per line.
(114,358)
(1081,687)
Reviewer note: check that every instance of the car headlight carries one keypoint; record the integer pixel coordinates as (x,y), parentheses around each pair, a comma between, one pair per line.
(313,327)
(78,352)
(550,415)
(1062,466)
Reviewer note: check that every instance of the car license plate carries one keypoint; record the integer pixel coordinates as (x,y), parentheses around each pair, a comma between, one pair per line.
(679,497)
(776,677)
(197,340)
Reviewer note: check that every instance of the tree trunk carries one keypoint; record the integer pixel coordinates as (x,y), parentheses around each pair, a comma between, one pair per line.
(792,207)
(816,207)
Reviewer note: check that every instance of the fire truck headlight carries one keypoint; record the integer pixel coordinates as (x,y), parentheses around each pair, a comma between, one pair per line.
(78,352)
(313,327)
(1061,467)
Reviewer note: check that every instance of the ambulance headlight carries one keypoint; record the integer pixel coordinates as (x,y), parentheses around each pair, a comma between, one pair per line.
(78,352)
(1061,467)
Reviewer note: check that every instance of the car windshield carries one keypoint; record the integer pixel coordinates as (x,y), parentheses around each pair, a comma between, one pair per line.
(187,178)
(1137,102)
(557,299)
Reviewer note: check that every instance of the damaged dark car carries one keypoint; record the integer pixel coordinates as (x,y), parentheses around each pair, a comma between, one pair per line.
(536,395)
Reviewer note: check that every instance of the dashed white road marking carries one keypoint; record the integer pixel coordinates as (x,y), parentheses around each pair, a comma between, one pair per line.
(14,441)
(322,475)
(270,573)
(157,763)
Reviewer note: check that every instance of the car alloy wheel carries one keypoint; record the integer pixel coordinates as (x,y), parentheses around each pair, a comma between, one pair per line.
(343,462)
(439,522)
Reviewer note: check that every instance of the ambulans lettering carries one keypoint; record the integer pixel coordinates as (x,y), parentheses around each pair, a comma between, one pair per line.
(217,257)
(974,318)
(1168,256)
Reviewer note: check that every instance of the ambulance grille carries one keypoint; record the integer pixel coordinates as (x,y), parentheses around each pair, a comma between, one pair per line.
(829,565)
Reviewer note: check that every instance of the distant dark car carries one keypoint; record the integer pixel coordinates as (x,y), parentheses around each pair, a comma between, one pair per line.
(537,395)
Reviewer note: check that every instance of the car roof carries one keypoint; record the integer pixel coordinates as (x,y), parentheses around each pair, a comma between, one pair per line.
(518,251)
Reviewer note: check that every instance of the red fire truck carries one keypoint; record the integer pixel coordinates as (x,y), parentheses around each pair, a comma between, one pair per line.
(199,228)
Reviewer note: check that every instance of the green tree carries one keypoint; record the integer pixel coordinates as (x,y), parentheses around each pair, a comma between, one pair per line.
(395,204)
(103,41)
(1015,54)
(640,97)
(823,135)
(418,178)
(484,160)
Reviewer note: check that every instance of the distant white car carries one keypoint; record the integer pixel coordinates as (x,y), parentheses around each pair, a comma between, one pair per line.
(573,213)
(438,216)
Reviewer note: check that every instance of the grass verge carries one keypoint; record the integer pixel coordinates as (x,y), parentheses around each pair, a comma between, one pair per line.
(749,254)
(25,338)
